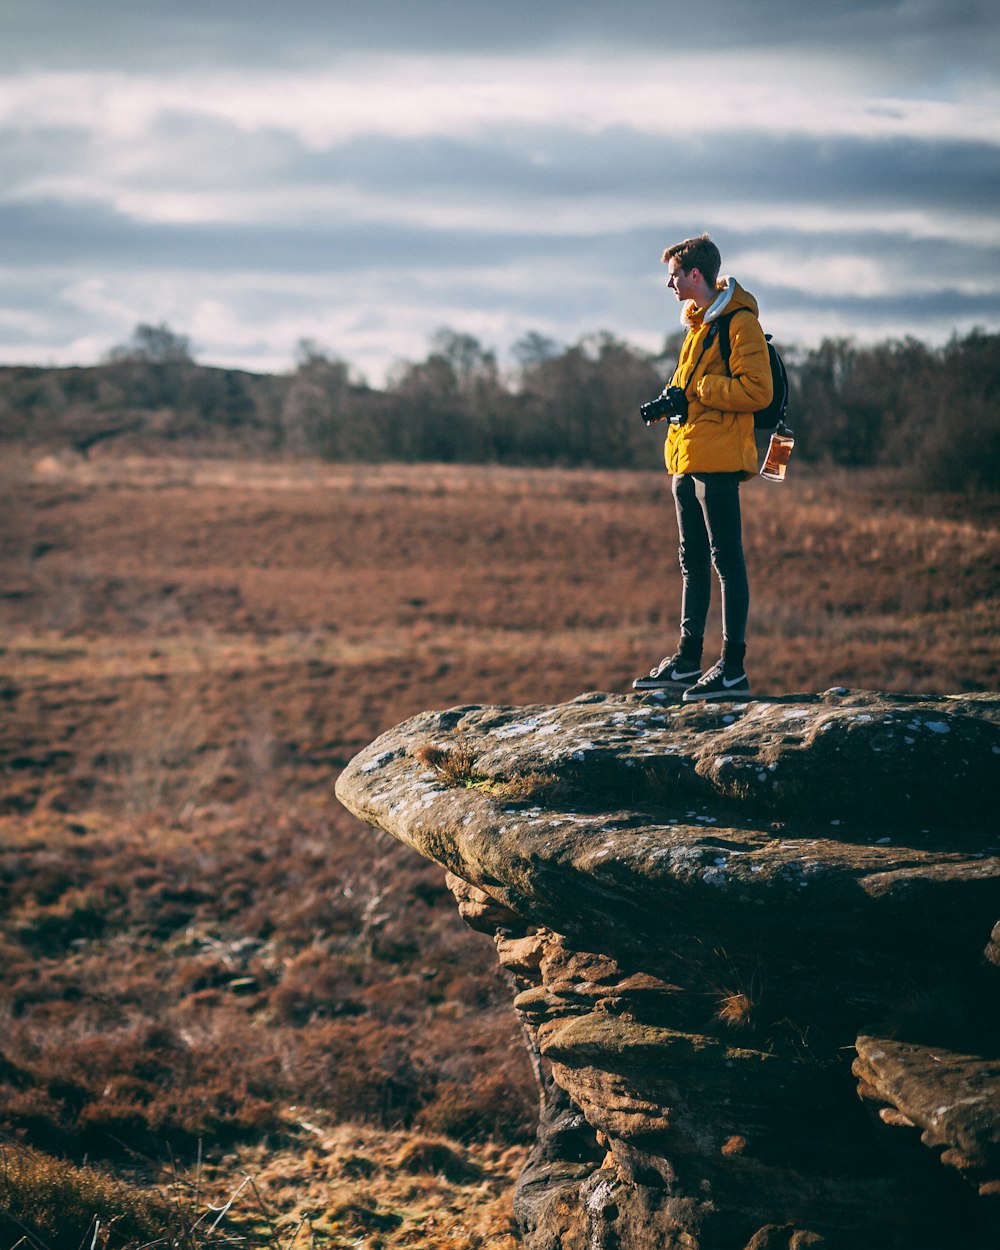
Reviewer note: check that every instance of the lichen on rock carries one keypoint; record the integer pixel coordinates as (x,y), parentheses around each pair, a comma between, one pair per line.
(708,913)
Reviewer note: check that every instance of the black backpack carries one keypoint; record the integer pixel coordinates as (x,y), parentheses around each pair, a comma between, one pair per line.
(773,416)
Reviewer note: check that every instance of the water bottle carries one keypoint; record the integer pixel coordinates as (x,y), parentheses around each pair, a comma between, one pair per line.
(778,451)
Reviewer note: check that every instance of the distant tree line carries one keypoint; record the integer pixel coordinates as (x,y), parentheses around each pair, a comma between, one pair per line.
(934,412)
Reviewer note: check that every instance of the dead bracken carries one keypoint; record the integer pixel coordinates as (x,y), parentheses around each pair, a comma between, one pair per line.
(195,936)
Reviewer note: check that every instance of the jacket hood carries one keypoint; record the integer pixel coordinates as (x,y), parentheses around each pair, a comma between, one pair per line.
(730,298)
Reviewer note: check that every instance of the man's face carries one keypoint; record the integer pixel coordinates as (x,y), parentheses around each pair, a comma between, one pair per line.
(683,285)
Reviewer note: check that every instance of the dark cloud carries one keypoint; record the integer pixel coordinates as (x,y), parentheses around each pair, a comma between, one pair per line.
(28,154)
(176,34)
(54,233)
(920,309)
(616,273)
(533,165)
(65,256)
(526,174)
(48,232)
(94,238)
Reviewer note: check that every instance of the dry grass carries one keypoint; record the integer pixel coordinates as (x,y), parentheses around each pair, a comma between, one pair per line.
(735,1009)
(338,1187)
(198,983)
(455,766)
(195,937)
(49,1204)
(349,1185)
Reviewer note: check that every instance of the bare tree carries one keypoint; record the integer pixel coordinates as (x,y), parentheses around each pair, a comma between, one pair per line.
(154,344)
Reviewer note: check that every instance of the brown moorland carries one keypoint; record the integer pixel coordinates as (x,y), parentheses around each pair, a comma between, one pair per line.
(201,952)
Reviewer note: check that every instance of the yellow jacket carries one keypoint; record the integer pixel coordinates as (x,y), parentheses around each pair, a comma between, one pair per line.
(718,436)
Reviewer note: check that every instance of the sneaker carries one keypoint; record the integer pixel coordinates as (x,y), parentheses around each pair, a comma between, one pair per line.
(674,673)
(716,685)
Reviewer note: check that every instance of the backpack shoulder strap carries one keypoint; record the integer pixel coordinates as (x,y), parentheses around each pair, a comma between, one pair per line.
(712,332)
(723,323)
(724,344)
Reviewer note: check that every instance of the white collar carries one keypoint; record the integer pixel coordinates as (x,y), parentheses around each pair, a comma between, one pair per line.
(715,308)
(721,300)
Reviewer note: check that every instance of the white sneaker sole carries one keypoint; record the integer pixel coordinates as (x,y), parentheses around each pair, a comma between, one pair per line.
(715,694)
(650,683)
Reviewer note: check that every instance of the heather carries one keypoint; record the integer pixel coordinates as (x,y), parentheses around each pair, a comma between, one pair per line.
(211,970)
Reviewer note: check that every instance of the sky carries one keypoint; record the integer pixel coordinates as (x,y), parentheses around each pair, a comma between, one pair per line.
(360,175)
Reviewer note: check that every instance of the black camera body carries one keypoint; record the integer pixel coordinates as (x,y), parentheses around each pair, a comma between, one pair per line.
(672,403)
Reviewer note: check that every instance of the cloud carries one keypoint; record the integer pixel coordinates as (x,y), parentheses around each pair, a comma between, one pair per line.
(517,183)
(413,96)
(254,175)
(168,34)
(246,294)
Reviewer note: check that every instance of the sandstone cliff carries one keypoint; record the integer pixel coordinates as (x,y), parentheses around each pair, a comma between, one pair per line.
(754,949)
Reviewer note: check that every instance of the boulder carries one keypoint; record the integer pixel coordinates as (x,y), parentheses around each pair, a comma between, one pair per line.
(707,913)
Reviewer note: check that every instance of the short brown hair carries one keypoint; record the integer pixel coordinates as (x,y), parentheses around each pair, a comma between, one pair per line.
(699,253)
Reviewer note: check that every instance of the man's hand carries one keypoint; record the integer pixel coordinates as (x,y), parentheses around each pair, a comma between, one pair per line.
(678,401)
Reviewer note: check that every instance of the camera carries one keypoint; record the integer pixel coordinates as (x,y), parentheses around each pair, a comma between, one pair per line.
(672,403)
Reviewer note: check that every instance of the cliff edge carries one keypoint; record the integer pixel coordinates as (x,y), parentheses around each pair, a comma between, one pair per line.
(755,948)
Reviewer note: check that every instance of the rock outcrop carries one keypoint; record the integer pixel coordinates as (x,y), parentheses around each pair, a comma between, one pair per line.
(724,923)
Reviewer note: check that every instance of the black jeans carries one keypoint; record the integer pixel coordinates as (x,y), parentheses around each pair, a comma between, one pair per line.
(711,533)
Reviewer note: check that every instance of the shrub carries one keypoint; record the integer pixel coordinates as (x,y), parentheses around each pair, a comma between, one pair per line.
(490,1106)
(60,1206)
(960,447)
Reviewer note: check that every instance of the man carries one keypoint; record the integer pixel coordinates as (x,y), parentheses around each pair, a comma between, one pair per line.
(709,450)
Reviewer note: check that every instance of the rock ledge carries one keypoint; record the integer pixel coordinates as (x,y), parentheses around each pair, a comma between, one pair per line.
(709,913)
